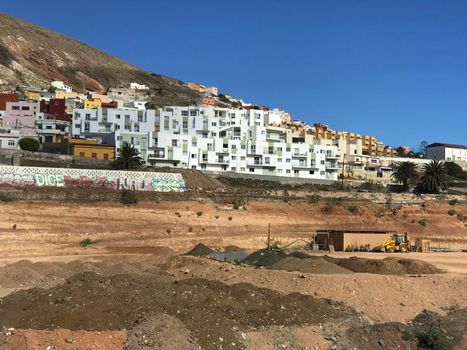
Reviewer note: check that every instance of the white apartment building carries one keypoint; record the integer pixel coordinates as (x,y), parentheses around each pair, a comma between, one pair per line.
(98,123)
(9,138)
(447,152)
(220,139)
(60,85)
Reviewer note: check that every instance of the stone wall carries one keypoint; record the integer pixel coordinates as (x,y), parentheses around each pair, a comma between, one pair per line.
(33,177)
(51,160)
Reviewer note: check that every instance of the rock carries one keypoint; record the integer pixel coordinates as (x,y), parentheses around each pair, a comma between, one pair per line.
(69,340)
(381,342)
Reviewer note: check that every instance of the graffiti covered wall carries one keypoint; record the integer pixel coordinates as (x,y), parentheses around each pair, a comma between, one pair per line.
(89,178)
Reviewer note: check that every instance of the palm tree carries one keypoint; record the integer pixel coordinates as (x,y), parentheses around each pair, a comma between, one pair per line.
(404,173)
(128,157)
(434,178)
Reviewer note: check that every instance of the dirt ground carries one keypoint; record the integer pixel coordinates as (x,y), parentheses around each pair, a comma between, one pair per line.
(132,288)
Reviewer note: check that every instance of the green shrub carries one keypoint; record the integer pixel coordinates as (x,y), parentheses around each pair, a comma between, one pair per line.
(230,218)
(236,206)
(128,197)
(354,209)
(168,231)
(178,214)
(423,222)
(217,216)
(461,217)
(199,213)
(453,202)
(315,198)
(5,197)
(85,242)
(190,229)
(433,339)
(29,144)
(372,186)
(452,212)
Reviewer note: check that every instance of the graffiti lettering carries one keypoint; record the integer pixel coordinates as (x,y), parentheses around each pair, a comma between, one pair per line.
(87,178)
(49,180)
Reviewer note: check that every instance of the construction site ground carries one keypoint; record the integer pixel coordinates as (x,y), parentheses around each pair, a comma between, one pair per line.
(133,287)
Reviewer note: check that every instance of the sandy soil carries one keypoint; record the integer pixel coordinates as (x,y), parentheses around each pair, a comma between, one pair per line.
(33,229)
(132,260)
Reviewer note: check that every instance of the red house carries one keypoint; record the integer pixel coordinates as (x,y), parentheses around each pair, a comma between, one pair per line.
(55,107)
(4,98)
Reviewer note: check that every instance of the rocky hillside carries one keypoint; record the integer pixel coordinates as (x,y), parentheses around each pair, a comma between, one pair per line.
(32,55)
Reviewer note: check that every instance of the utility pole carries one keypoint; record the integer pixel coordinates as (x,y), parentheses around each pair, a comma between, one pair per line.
(269,236)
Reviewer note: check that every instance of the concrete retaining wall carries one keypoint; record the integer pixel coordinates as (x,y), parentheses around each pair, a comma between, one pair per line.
(281,179)
(90,178)
(52,160)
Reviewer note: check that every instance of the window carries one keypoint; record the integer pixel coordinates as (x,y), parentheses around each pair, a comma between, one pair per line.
(213,124)
(117,116)
(81,154)
(184,113)
(94,155)
(287,160)
(185,124)
(194,113)
(15,108)
(117,127)
(233,169)
(287,149)
(312,172)
(242,158)
(88,116)
(234,157)
(243,147)
(11,142)
(251,170)
(279,171)
(234,146)
(193,155)
(267,160)
(279,160)
(322,162)
(174,143)
(296,172)
(25,108)
(288,171)
(106,156)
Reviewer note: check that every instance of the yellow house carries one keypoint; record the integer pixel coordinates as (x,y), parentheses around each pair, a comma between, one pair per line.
(92,103)
(65,95)
(33,95)
(92,149)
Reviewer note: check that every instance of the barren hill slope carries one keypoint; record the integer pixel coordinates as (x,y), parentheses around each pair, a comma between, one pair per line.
(35,56)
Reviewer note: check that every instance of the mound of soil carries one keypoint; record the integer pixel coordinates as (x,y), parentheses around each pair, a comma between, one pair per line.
(309,265)
(200,250)
(161,332)
(442,332)
(213,313)
(387,266)
(232,248)
(264,257)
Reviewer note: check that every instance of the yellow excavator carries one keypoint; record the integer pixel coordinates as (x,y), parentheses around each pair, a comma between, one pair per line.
(397,243)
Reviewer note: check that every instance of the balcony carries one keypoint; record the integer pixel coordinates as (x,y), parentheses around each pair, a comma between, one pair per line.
(329,155)
(332,166)
(300,155)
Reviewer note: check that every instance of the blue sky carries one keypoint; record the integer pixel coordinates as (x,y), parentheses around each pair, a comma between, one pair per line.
(395,69)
